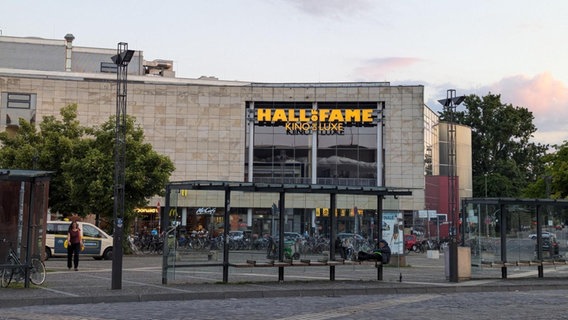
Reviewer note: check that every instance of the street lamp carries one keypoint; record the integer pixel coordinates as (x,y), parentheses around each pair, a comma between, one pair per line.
(450,104)
(121,59)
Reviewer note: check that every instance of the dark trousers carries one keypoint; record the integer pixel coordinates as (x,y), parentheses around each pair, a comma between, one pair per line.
(362,256)
(341,251)
(73,250)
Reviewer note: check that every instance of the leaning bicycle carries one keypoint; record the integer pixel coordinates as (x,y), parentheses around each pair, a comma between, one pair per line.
(14,270)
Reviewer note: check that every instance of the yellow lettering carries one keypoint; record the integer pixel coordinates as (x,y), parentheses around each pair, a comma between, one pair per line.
(303,115)
(367,115)
(146,210)
(279,115)
(336,115)
(263,115)
(323,115)
(352,115)
(314,116)
(291,115)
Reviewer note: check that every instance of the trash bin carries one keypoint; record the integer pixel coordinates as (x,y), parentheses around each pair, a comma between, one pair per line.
(464,263)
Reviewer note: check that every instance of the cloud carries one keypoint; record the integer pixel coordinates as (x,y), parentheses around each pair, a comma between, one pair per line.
(380,69)
(542,94)
(334,8)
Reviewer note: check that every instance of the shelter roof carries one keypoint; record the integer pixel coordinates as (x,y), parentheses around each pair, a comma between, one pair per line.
(24,175)
(287,188)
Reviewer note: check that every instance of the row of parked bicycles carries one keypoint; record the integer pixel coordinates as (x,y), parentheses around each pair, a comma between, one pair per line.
(411,243)
(154,244)
(146,244)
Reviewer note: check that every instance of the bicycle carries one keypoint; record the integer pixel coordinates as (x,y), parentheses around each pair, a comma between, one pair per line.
(14,270)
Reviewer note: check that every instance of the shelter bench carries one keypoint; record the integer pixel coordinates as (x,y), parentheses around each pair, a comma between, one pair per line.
(523,263)
(281,265)
(301,263)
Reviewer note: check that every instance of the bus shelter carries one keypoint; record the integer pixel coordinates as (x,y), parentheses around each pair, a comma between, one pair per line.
(227,188)
(506,232)
(23,214)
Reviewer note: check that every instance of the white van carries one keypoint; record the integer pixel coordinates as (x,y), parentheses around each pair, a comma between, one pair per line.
(98,244)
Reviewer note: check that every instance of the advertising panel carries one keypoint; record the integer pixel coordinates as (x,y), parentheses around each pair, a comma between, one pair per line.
(393,231)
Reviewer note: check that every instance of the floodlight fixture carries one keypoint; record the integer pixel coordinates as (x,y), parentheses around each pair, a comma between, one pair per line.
(123,58)
(452,101)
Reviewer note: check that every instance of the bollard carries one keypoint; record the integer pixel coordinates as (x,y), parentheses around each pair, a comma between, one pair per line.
(453,251)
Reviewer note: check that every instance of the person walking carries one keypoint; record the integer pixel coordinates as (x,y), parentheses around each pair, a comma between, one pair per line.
(74,245)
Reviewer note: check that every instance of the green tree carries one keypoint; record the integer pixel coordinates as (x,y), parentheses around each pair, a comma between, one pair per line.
(553,183)
(83,163)
(50,148)
(504,159)
(146,174)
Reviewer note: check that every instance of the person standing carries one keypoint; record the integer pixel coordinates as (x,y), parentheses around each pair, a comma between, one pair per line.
(340,248)
(74,244)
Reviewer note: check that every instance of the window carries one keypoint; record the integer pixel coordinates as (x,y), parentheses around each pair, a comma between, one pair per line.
(108,67)
(20,101)
(89,231)
(57,228)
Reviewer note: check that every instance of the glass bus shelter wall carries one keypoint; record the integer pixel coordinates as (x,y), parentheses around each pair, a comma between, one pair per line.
(186,247)
(499,233)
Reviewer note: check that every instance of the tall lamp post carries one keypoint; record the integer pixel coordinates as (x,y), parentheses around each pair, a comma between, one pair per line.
(450,104)
(121,59)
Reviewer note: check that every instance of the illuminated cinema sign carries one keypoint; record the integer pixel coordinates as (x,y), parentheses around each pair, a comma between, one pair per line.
(323,121)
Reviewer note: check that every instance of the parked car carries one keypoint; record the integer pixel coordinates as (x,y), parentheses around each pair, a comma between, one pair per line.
(550,246)
(345,235)
(545,234)
(410,241)
(293,236)
(236,235)
(98,244)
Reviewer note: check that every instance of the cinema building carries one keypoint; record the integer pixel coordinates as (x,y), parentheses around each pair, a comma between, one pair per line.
(355,134)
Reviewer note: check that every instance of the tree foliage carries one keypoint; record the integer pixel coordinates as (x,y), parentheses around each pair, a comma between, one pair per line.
(82,160)
(554,181)
(504,158)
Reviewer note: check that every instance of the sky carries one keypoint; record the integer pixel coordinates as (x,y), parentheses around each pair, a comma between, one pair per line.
(516,48)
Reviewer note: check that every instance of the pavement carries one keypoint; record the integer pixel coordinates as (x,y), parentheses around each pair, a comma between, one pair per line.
(141,279)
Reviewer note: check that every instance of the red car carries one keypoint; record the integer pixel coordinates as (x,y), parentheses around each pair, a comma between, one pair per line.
(409,241)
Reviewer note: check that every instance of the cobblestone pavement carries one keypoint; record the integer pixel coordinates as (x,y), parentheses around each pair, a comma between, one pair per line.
(419,290)
(493,305)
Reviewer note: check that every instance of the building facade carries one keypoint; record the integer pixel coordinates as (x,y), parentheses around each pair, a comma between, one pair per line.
(358,134)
